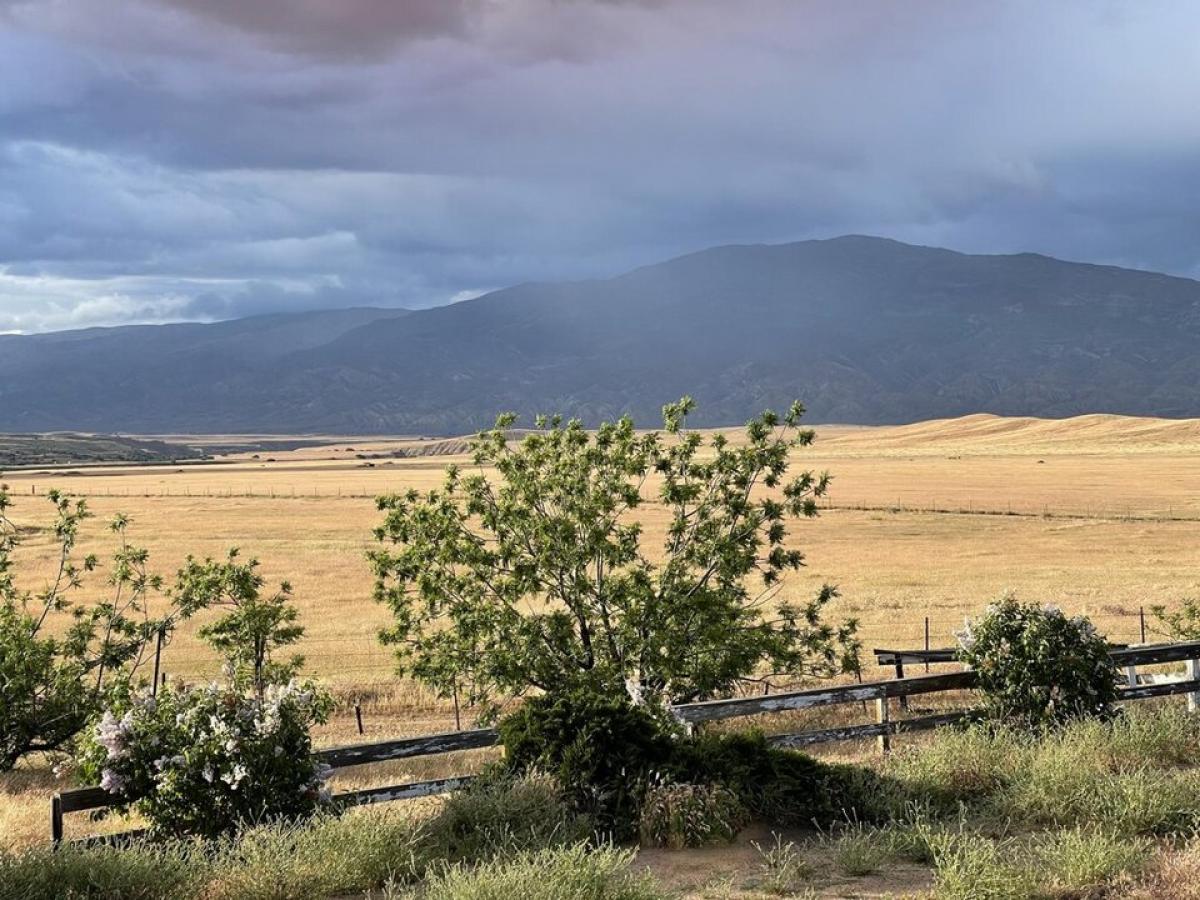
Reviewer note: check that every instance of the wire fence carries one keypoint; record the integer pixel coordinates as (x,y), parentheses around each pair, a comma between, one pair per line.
(359,658)
(959,506)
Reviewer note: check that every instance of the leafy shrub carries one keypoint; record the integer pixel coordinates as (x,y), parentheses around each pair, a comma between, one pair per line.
(203,761)
(541,572)
(574,873)
(690,815)
(778,786)
(1038,667)
(600,747)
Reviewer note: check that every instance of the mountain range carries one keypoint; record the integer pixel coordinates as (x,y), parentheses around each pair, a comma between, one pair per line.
(861,329)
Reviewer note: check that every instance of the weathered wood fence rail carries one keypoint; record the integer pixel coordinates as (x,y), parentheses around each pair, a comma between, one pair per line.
(691,714)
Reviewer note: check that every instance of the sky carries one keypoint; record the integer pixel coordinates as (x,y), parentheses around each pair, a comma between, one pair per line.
(168,160)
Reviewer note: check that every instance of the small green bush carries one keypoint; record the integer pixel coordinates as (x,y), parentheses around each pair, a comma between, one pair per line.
(690,815)
(778,786)
(598,745)
(859,850)
(1036,666)
(574,873)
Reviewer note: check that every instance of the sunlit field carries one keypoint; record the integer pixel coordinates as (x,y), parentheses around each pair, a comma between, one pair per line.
(1100,515)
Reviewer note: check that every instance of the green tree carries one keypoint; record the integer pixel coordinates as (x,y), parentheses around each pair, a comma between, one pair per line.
(1182,624)
(61,659)
(255,626)
(534,571)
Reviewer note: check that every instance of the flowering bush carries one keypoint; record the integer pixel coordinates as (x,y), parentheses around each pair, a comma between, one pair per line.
(204,760)
(1036,666)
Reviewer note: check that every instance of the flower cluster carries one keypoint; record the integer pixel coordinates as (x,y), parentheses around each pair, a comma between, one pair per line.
(203,760)
(1036,666)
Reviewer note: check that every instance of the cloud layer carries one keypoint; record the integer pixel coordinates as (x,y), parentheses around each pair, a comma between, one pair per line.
(165,159)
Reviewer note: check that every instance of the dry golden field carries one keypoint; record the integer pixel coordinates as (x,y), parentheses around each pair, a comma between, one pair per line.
(1100,514)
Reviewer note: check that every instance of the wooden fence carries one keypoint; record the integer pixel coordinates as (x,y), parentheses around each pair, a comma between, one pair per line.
(880,693)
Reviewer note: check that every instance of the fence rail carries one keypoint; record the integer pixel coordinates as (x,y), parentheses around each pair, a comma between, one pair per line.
(882,729)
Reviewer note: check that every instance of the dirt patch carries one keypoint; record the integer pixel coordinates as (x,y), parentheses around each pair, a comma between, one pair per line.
(736,871)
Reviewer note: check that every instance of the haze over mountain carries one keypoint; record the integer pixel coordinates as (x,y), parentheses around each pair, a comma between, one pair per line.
(862,329)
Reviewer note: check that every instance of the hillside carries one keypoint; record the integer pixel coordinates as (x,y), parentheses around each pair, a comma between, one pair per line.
(985,434)
(864,330)
(18,450)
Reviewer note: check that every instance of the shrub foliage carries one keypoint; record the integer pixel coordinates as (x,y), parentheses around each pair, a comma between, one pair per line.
(203,761)
(1037,666)
(600,747)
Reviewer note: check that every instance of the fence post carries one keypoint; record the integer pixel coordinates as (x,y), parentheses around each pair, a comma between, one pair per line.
(927,642)
(1193,673)
(157,661)
(56,820)
(358,716)
(881,716)
(900,674)
(1142,619)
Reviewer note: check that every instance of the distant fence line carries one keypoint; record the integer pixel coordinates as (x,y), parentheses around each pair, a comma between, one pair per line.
(883,729)
(352,491)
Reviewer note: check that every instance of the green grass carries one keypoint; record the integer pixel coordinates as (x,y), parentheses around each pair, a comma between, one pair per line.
(783,868)
(1082,859)
(355,852)
(135,873)
(572,873)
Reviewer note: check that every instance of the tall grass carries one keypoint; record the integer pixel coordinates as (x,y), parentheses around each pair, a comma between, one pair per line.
(359,851)
(573,873)
(1132,775)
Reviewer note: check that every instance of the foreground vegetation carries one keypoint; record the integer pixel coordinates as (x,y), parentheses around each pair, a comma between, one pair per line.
(1095,809)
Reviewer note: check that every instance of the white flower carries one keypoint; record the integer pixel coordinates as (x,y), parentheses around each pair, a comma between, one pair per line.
(208,773)
(111,781)
(111,734)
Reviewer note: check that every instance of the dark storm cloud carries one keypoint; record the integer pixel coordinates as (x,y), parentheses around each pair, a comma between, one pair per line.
(345,28)
(205,158)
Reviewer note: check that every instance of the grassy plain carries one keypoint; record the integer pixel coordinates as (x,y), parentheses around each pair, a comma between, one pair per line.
(1099,514)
